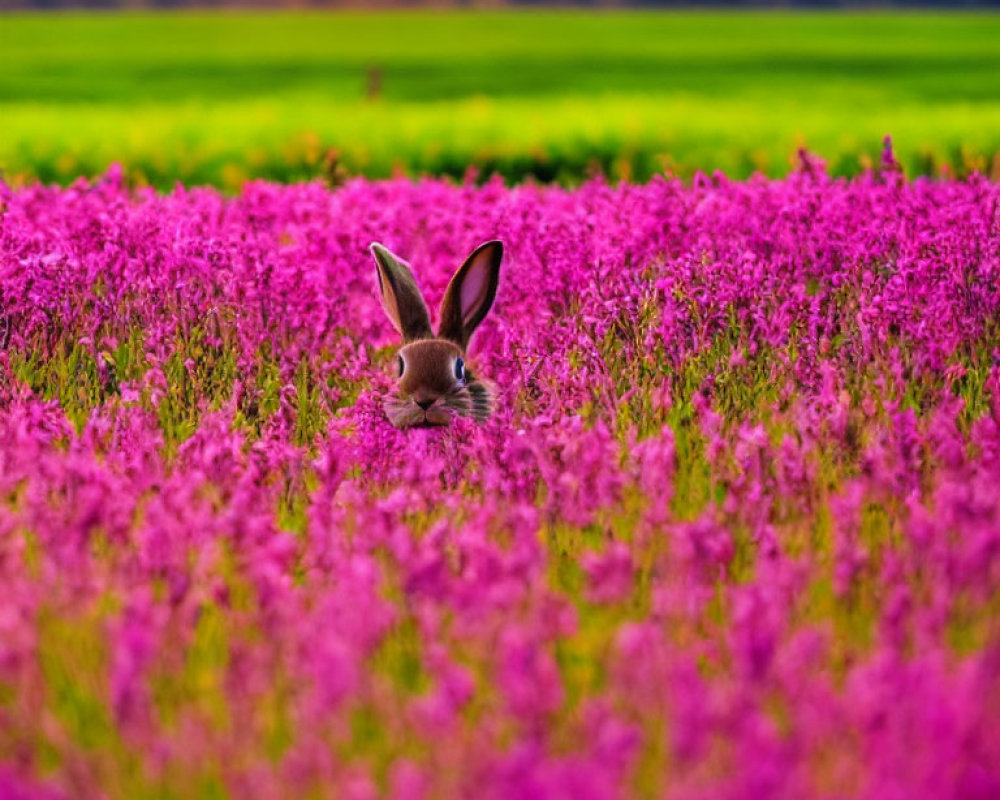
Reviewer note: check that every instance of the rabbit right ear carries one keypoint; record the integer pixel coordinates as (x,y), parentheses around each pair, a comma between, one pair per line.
(470,294)
(401,299)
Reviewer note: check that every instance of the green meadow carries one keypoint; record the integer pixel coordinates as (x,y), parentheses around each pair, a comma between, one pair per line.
(559,95)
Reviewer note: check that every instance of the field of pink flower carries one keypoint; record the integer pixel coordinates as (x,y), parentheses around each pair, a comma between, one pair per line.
(732,532)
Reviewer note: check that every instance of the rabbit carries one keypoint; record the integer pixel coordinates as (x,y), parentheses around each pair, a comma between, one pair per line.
(435,384)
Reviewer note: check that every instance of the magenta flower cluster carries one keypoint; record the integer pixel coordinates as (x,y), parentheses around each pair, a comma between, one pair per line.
(732,532)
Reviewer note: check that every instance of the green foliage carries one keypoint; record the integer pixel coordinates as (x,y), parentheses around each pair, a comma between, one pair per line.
(211,98)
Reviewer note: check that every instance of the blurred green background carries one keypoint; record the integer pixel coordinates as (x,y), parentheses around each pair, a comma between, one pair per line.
(220,97)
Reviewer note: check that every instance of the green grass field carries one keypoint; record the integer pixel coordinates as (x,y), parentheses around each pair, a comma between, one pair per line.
(219,97)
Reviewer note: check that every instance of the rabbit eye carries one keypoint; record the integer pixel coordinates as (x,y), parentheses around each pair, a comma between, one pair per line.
(402,366)
(460,369)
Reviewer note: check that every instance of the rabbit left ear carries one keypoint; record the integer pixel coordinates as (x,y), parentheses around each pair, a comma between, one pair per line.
(401,298)
(471,293)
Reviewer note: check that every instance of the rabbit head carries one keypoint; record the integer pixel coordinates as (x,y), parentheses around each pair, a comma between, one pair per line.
(435,384)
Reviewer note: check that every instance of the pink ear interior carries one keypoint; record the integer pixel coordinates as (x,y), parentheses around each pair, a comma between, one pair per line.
(389,304)
(475,286)
(470,293)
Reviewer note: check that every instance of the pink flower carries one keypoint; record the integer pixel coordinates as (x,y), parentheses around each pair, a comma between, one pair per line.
(609,574)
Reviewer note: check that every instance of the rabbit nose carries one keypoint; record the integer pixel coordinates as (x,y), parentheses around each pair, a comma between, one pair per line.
(425,404)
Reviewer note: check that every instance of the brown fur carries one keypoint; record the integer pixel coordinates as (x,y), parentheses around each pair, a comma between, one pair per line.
(458,322)
(429,391)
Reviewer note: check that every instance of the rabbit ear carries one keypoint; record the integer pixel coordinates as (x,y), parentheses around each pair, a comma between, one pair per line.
(470,294)
(401,298)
